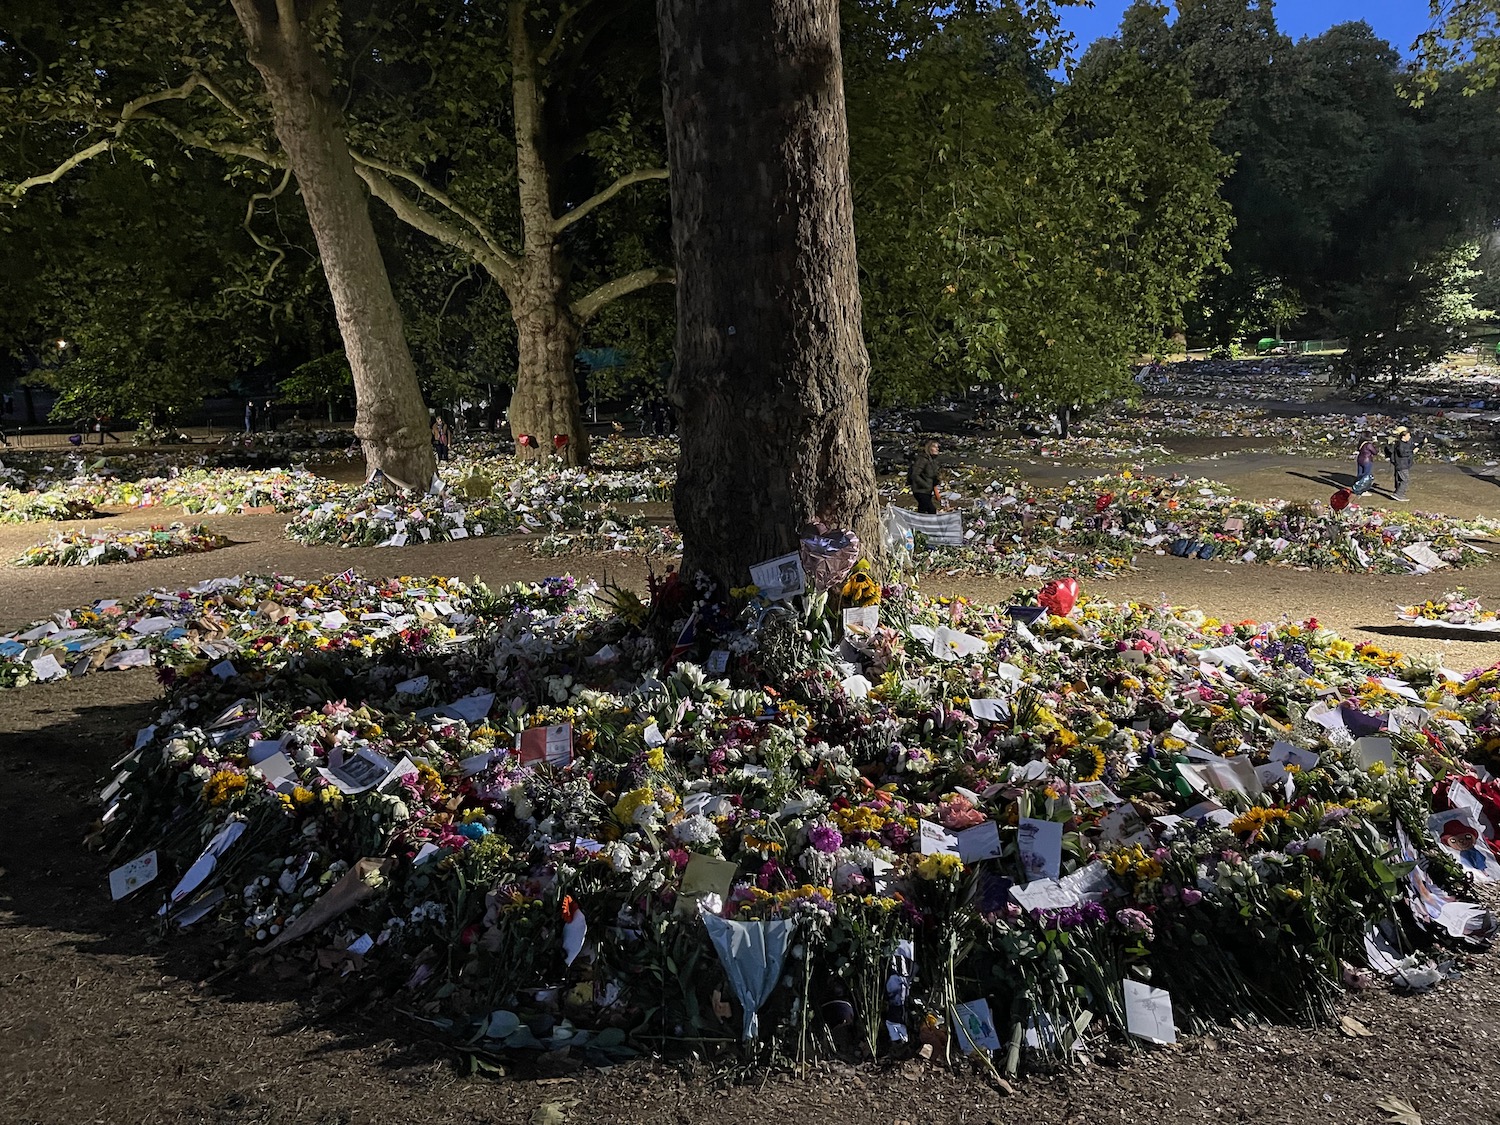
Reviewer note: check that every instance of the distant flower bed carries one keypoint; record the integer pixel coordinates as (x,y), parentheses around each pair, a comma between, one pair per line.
(98,548)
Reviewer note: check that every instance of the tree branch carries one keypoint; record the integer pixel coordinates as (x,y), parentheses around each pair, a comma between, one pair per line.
(563,222)
(62,169)
(279,255)
(440,197)
(501,267)
(565,17)
(135,110)
(588,305)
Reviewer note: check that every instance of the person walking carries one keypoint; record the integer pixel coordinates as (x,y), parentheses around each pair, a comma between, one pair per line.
(249,416)
(1401,453)
(102,428)
(1364,467)
(440,437)
(922,478)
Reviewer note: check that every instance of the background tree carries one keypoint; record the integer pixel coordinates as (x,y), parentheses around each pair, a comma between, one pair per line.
(501,132)
(1012,230)
(1344,195)
(772,376)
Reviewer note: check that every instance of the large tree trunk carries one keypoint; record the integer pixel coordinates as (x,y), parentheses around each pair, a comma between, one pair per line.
(772,376)
(390,417)
(545,404)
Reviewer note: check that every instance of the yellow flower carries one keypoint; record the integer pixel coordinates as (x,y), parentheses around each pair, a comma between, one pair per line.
(858,819)
(940,866)
(1256,819)
(656,758)
(303,797)
(1088,763)
(223,786)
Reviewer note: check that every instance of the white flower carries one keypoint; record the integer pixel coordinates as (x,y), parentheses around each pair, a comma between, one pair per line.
(695,830)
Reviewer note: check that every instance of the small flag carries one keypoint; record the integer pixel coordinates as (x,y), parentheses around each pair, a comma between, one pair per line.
(685,642)
(347,576)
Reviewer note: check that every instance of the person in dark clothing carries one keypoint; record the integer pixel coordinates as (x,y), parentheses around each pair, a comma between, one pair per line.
(1401,453)
(1364,467)
(922,478)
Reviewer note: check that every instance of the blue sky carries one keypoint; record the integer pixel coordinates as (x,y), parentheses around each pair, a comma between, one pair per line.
(1397,21)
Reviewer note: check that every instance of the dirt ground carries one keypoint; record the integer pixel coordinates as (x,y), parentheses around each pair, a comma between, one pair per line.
(101,1020)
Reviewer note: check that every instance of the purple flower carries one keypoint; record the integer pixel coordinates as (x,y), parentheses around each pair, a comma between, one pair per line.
(1191,896)
(825,838)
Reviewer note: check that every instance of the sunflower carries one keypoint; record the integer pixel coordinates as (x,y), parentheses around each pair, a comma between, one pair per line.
(861,589)
(1088,762)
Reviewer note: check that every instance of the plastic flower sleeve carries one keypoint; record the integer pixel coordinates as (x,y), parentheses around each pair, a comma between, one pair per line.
(752,954)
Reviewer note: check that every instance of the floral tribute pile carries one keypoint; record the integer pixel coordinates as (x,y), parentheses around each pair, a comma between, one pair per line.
(199,628)
(96,548)
(567,509)
(1452,611)
(86,489)
(1097,526)
(857,822)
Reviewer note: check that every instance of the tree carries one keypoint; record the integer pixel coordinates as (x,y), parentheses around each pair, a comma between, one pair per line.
(159,306)
(501,131)
(772,375)
(391,419)
(1011,231)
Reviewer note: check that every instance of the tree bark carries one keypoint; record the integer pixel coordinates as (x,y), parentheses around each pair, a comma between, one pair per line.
(772,376)
(545,404)
(390,417)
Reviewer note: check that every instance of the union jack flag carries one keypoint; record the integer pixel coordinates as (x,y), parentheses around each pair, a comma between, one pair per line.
(685,641)
(347,576)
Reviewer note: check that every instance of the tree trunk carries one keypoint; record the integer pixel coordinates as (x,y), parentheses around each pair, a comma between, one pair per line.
(390,418)
(545,403)
(772,375)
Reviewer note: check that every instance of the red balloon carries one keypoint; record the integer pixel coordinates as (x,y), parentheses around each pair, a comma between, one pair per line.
(1059,596)
(559,441)
(525,440)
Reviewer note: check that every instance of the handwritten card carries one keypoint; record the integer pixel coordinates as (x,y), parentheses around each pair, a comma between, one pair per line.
(1148,1013)
(133,876)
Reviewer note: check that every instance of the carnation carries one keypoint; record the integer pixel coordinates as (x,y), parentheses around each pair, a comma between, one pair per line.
(825,837)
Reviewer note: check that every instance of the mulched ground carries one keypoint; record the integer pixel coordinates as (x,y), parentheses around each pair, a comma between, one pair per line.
(103,1020)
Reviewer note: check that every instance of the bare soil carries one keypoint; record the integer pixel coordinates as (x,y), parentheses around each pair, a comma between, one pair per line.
(102,1020)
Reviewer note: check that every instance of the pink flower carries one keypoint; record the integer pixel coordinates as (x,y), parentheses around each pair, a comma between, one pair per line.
(1191,897)
(825,838)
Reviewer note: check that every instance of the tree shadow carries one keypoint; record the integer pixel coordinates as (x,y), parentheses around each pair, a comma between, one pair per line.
(1476,475)
(1436,632)
(1331,479)
(58,743)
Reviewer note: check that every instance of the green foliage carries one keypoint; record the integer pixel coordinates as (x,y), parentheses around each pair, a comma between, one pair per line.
(325,381)
(1343,193)
(426,93)
(1410,322)
(1011,232)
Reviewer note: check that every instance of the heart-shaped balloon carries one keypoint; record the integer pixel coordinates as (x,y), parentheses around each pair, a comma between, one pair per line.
(1059,596)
